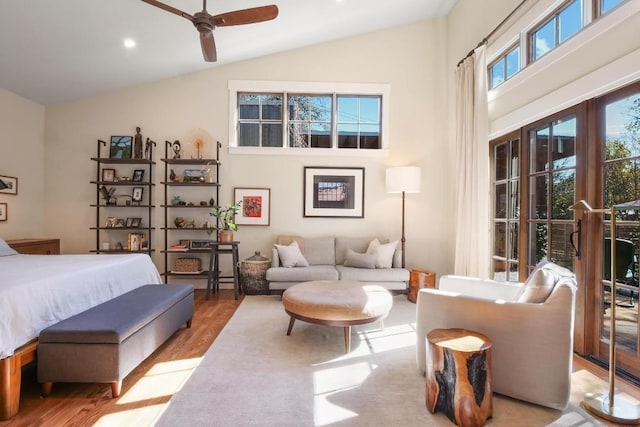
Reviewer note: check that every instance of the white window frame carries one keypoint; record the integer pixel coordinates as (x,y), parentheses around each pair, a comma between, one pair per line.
(312,88)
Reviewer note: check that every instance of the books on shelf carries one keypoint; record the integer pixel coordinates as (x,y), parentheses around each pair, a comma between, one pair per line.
(137,242)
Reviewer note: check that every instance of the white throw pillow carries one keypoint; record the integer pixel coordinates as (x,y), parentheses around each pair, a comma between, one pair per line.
(358,260)
(290,256)
(383,252)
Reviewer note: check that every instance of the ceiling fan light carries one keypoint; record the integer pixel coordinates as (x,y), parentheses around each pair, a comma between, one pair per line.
(129,43)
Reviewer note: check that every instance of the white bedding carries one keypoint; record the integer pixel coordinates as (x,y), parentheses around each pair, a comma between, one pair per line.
(37,291)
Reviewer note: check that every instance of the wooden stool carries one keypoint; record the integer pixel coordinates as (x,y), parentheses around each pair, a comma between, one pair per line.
(459,376)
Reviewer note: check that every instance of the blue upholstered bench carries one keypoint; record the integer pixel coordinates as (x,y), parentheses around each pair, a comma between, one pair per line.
(106,342)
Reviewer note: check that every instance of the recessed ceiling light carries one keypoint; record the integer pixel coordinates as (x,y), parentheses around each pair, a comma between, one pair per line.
(129,43)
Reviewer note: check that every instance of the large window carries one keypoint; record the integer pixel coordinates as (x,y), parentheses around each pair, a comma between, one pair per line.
(308,119)
(556,30)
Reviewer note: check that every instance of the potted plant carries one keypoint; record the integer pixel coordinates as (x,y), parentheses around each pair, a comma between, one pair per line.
(226,221)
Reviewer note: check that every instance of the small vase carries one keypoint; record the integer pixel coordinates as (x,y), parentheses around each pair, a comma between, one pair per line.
(225,236)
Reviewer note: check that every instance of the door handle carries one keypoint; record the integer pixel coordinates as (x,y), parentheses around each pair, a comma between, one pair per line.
(577,247)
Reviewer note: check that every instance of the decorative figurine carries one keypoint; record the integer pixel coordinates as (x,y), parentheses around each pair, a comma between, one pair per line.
(137,144)
(212,202)
(176,201)
(147,148)
(179,222)
(172,175)
(176,147)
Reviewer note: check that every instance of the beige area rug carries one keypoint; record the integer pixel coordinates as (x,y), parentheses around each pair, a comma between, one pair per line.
(255,375)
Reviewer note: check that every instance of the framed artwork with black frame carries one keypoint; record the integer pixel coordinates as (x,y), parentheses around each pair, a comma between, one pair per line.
(8,185)
(333,192)
(120,147)
(138,175)
(136,195)
(256,206)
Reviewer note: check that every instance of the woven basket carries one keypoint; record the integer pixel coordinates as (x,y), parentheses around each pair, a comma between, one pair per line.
(253,275)
(186,265)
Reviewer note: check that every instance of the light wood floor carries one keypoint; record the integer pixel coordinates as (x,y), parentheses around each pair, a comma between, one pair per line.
(148,388)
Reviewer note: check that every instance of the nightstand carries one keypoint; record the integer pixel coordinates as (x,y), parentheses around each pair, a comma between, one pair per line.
(36,246)
(419,278)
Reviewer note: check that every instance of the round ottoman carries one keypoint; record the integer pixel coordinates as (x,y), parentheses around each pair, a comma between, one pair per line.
(337,303)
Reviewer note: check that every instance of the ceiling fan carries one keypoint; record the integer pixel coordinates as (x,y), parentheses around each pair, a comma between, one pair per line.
(205,23)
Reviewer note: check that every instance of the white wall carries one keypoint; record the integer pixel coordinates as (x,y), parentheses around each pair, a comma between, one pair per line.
(22,156)
(411,59)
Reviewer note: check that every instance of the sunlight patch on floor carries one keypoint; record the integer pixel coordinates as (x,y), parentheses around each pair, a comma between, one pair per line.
(391,338)
(144,416)
(163,379)
(327,382)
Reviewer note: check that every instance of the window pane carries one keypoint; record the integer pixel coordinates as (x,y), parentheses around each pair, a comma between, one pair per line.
(514,205)
(515,159)
(513,272)
(563,144)
(570,20)
(369,110)
(369,136)
(320,135)
(347,136)
(500,161)
(347,109)
(544,39)
(500,239)
(561,251)
(539,150)
(249,135)
(538,197)
(271,135)
(500,208)
(320,108)
(513,62)
(271,107)
(607,5)
(622,182)
(249,106)
(497,73)
(299,135)
(623,128)
(513,241)
(499,270)
(562,194)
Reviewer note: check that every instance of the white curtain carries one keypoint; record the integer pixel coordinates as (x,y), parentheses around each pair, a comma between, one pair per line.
(472,201)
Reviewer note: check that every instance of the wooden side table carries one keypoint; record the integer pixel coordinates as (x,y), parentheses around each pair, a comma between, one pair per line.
(459,376)
(418,279)
(36,246)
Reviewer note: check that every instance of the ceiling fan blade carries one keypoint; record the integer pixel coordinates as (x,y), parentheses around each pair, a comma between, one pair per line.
(246,16)
(169,9)
(208,45)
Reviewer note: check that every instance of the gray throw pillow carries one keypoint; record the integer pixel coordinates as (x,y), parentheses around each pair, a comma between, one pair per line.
(358,260)
(5,249)
(290,256)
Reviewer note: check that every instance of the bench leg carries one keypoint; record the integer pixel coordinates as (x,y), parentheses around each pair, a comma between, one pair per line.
(189,323)
(46,388)
(347,338)
(10,377)
(116,388)
(291,322)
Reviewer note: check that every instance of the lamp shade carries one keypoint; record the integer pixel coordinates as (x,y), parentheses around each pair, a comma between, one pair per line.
(403,178)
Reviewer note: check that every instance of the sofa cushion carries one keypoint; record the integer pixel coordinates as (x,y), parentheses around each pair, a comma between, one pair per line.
(313,272)
(384,252)
(373,275)
(286,240)
(290,256)
(320,250)
(359,260)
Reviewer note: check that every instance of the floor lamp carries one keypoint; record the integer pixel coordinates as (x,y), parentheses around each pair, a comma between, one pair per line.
(403,179)
(602,404)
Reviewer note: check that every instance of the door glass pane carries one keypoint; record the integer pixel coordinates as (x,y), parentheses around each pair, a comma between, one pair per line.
(538,197)
(564,143)
(513,239)
(514,199)
(500,239)
(622,182)
(537,242)
(500,161)
(623,128)
(562,193)
(561,251)
(501,201)
(515,159)
(539,144)
(513,272)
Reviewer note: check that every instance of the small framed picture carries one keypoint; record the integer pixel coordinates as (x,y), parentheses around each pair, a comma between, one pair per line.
(255,206)
(3,211)
(108,175)
(136,196)
(194,175)
(138,175)
(121,222)
(120,147)
(201,244)
(111,222)
(8,185)
(134,222)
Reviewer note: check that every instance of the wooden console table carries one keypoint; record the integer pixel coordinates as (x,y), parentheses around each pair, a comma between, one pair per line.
(36,246)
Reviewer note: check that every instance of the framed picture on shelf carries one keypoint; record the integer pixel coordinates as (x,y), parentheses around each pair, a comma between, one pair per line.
(121,223)
(256,205)
(136,196)
(201,244)
(134,222)
(8,185)
(3,212)
(194,175)
(108,175)
(138,175)
(120,147)
(333,192)
(111,222)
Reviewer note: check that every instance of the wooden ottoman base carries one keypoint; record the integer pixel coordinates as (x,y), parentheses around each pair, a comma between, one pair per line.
(459,376)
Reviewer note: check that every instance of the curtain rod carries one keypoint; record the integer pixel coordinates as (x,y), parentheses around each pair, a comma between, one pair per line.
(485,40)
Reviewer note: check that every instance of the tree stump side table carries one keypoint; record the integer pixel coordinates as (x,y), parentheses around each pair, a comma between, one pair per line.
(418,279)
(459,376)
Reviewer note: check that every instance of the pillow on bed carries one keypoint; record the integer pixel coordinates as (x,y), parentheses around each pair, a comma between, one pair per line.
(5,249)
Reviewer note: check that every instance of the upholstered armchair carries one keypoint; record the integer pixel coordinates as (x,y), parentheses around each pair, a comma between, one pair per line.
(532,341)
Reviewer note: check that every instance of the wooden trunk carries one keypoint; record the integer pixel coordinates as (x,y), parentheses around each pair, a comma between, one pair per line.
(459,376)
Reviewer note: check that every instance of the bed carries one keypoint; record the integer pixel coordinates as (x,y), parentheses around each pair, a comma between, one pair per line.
(37,291)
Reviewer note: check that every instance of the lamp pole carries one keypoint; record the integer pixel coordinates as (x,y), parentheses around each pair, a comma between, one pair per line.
(402,239)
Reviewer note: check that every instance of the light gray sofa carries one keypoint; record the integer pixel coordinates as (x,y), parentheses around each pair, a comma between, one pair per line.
(326,256)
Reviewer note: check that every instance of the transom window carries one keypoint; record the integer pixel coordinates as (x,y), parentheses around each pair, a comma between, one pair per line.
(557,29)
(301,120)
(505,67)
